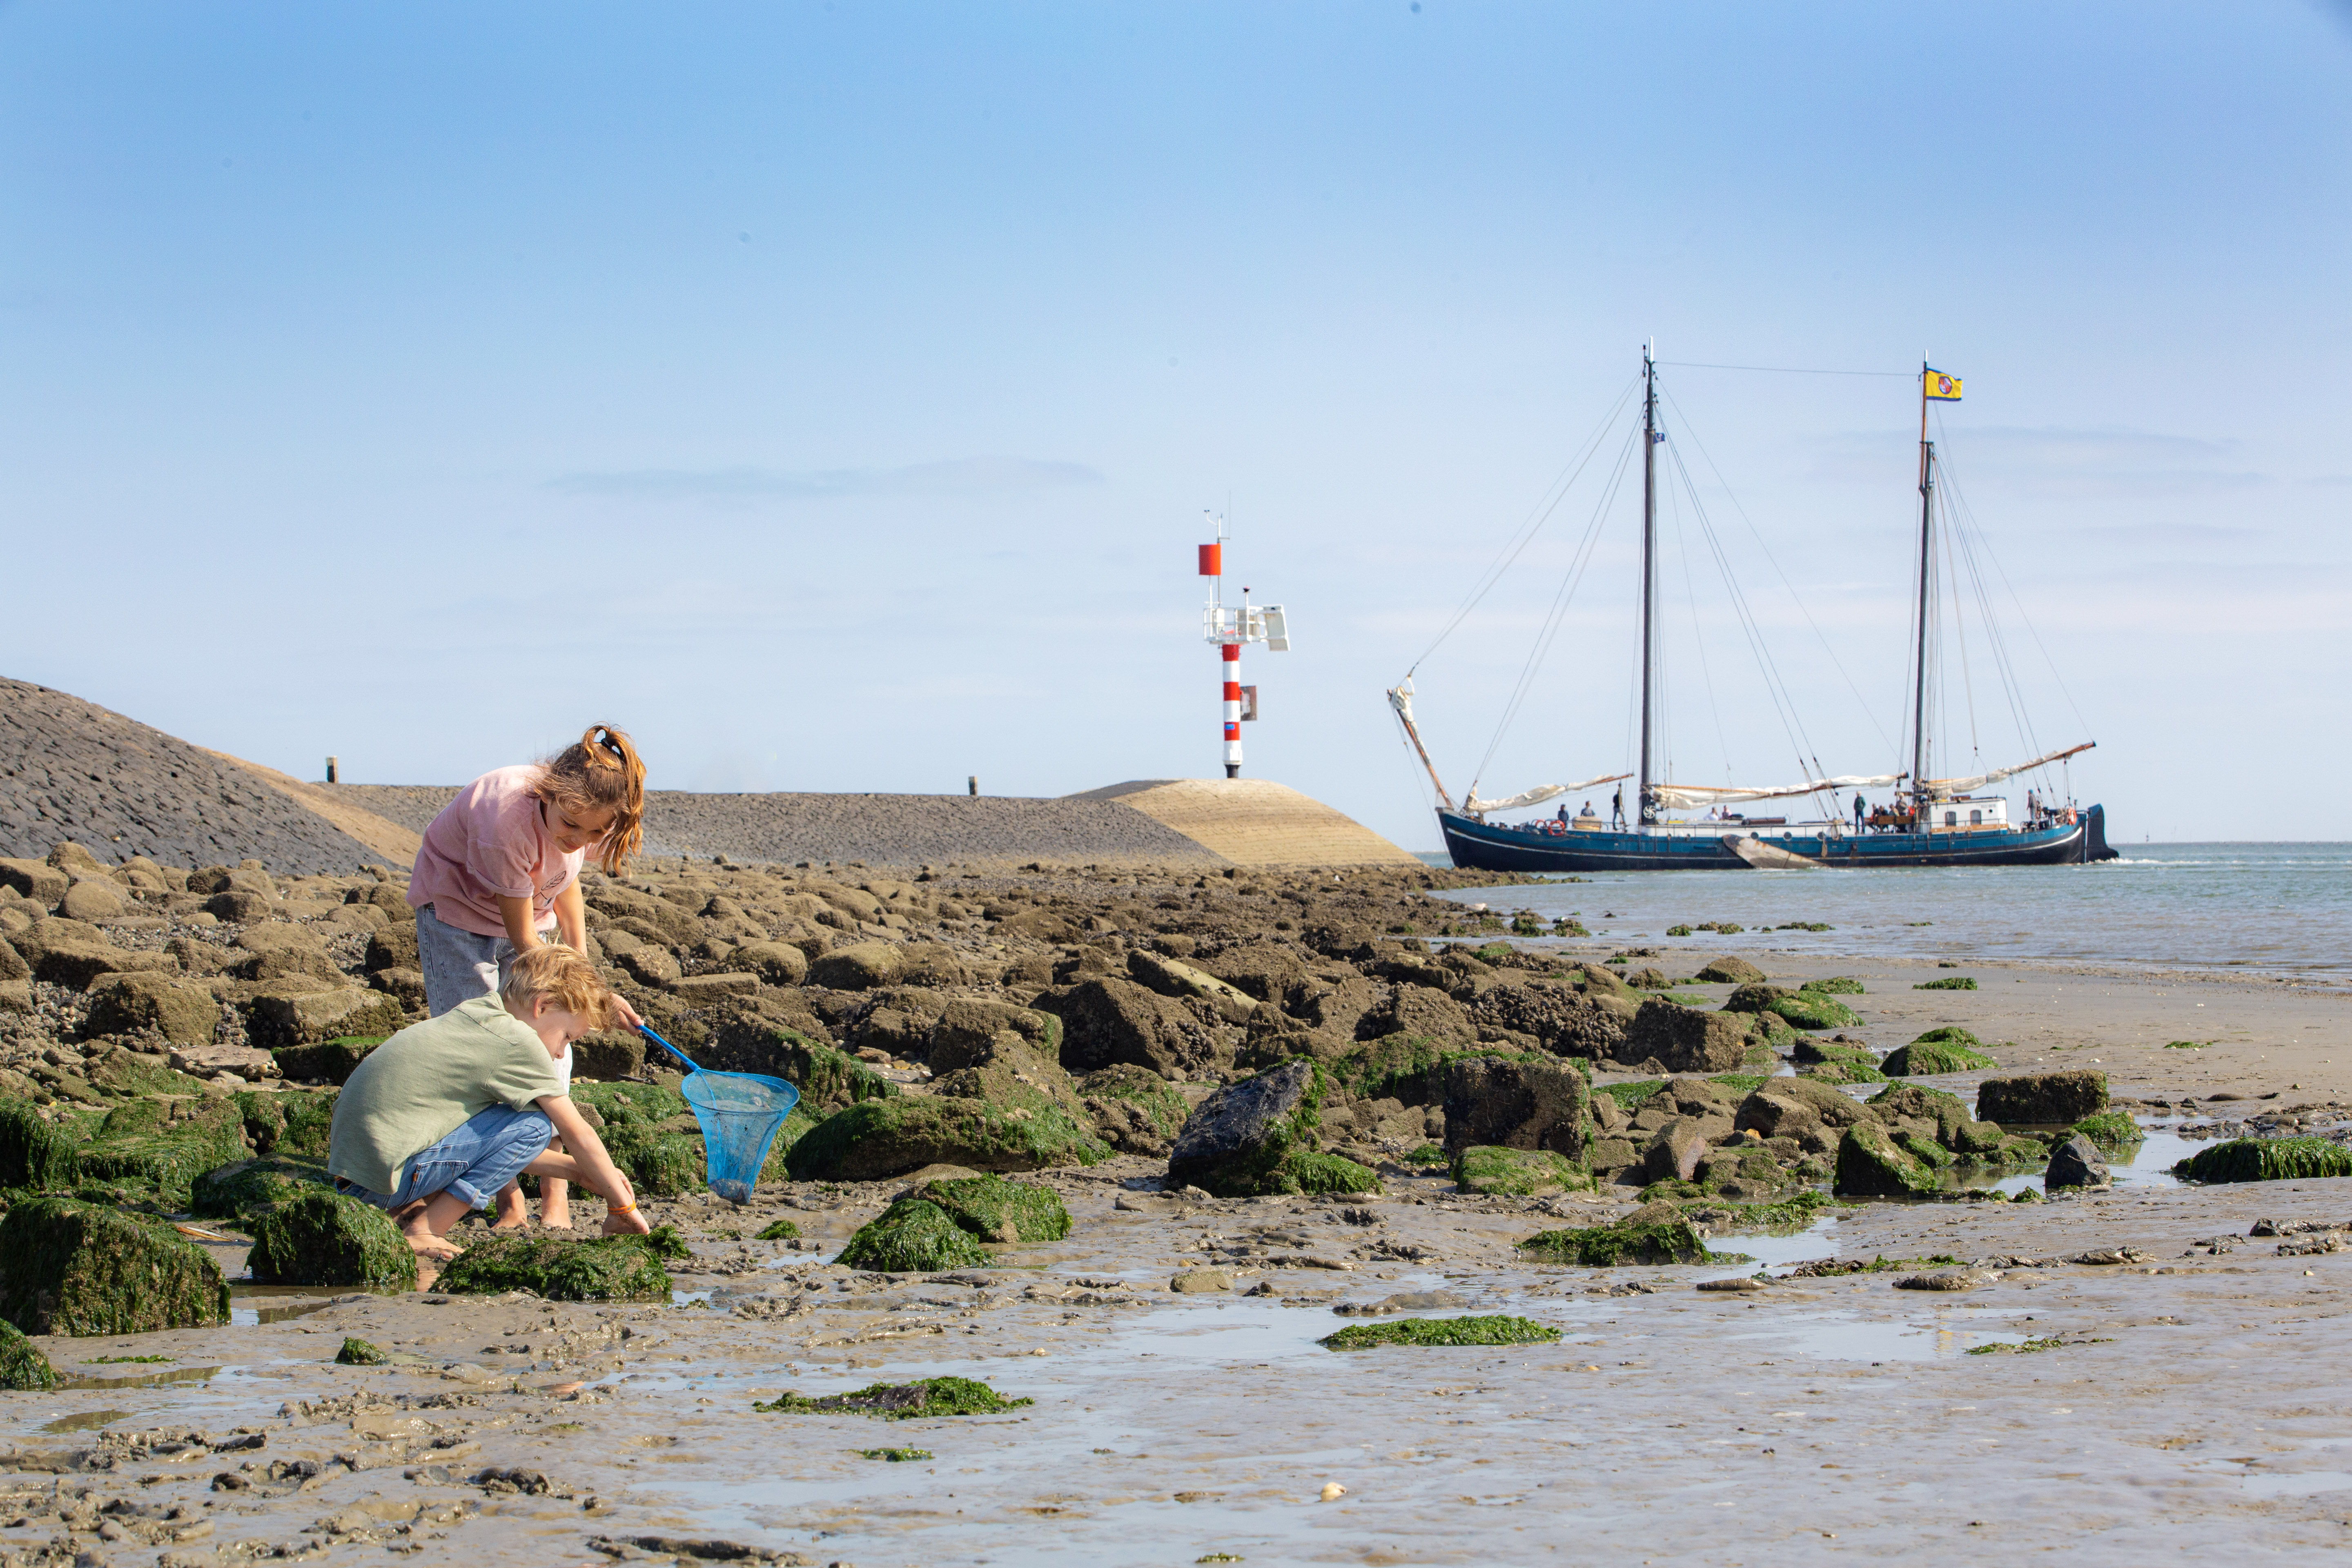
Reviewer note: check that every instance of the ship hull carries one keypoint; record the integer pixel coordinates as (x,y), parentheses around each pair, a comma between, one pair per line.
(1489,848)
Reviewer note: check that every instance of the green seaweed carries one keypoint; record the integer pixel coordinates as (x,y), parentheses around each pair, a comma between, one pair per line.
(1811,1010)
(2033,1347)
(919,1400)
(2110,1129)
(243,1189)
(1834,986)
(1516,1172)
(136,1144)
(994,1209)
(322,1237)
(778,1230)
(1497,1330)
(1949,983)
(602,1269)
(658,1164)
(1426,1154)
(1632,1096)
(72,1268)
(897,1455)
(34,1153)
(22,1365)
(359,1352)
(1609,1245)
(912,1237)
(2266,1160)
(1784,1218)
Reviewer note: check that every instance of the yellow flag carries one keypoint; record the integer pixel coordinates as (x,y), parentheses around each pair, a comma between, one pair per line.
(1941,387)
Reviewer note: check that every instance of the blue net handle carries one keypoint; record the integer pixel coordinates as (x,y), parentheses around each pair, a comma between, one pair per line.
(648,1032)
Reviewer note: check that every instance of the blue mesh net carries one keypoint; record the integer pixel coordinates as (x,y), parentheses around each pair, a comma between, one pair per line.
(740,1113)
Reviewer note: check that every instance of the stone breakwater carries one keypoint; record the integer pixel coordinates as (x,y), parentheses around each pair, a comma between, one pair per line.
(1056,1127)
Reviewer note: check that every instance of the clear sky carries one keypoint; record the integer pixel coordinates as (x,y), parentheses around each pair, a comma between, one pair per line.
(831,393)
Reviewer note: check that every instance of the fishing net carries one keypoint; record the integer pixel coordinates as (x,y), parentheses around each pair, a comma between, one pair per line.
(740,1113)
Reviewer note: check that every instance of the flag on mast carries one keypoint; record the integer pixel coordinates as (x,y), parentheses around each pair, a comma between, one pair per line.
(1940,388)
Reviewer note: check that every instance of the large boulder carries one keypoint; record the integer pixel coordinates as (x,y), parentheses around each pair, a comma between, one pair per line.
(2077,1162)
(1871,1163)
(36,880)
(874,1140)
(393,947)
(1258,1137)
(828,1078)
(1008,1072)
(163,1144)
(1135,1110)
(330,1061)
(1174,978)
(1336,1009)
(34,1153)
(1506,1104)
(1683,1039)
(1564,1020)
(181,1011)
(672,924)
(1673,1152)
(1419,1012)
(967,1027)
(1814,1010)
(277,1019)
(994,1209)
(860,966)
(775,962)
(1730,970)
(1787,1106)
(2045,1099)
(1107,1020)
(1948,1050)
(1939,1115)
(91,899)
(322,1237)
(71,1268)
(1516,1172)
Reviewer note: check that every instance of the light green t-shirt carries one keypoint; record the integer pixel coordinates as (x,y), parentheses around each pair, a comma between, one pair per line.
(430,1079)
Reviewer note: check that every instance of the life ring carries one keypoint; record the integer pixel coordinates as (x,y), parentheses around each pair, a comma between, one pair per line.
(1556,826)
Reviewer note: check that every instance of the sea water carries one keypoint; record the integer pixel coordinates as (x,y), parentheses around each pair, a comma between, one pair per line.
(2267,908)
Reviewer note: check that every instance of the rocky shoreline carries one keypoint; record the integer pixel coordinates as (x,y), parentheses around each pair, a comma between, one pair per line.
(1057,1126)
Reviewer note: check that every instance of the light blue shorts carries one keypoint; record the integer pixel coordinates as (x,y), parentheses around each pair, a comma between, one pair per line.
(476,1160)
(458,966)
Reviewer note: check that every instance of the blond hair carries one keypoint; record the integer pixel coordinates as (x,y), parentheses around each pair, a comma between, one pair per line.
(564,976)
(600,772)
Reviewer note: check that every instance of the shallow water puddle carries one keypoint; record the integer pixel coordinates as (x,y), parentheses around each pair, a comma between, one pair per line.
(1841,1336)
(89,1420)
(141,1379)
(2302,1483)
(1817,1240)
(2146,1163)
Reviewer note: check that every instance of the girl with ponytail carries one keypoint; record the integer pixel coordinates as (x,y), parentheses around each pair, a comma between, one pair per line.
(499,874)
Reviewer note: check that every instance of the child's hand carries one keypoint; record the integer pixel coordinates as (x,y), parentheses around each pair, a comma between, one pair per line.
(628,1015)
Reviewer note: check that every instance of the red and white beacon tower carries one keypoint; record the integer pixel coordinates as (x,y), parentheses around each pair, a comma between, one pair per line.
(1229,627)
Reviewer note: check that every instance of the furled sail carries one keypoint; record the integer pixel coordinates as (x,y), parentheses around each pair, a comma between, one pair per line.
(1691,798)
(1945,789)
(1534,796)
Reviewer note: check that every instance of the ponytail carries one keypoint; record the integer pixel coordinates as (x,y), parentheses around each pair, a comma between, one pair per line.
(600,772)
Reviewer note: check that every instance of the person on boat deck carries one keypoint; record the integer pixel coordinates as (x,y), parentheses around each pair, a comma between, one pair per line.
(1857,812)
(1586,814)
(1563,811)
(1617,807)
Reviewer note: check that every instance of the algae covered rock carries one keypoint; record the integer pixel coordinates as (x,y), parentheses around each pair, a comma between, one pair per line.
(245,1189)
(602,1269)
(1685,1039)
(151,1141)
(181,1011)
(1258,1137)
(778,1230)
(326,1061)
(912,1237)
(288,1121)
(1948,1050)
(2266,1160)
(1834,986)
(1729,971)
(1814,1010)
(359,1353)
(1516,1172)
(827,1078)
(1833,1062)
(1498,1330)
(994,1209)
(321,1238)
(1135,1110)
(23,1367)
(1955,1129)
(71,1268)
(33,1153)
(1516,1103)
(1609,1245)
(1871,1163)
(2111,1129)
(924,1398)
(659,1164)
(878,1139)
(2044,1099)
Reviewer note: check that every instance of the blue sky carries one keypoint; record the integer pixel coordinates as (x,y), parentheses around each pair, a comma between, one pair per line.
(831,394)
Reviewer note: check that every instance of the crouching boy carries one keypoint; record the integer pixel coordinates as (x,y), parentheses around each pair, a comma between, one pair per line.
(441,1116)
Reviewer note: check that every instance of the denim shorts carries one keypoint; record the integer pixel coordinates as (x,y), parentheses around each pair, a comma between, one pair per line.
(489,1151)
(458,966)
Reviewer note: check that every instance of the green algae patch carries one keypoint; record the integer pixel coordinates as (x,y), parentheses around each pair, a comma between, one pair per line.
(1516,1172)
(244,1189)
(602,1268)
(23,1367)
(1844,1072)
(71,1268)
(1426,1154)
(658,1164)
(2110,1129)
(33,1153)
(1872,1164)
(1948,1049)
(1312,1171)
(897,1455)
(1811,1010)
(321,1238)
(1632,1096)
(923,1398)
(1834,986)
(994,1209)
(1610,1246)
(2186,1045)
(912,1237)
(1498,1330)
(2266,1160)
(2034,1347)
(140,1142)
(359,1353)
(874,1140)
(1949,983)
(291,1124)
(779,1230)
(1129,1084)
(644,1104)
(1784,1218)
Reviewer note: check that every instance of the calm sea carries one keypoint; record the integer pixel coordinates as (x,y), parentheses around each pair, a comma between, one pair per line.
(2281,908)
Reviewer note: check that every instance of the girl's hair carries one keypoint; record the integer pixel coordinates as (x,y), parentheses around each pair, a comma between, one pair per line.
(564,977)
(601,770)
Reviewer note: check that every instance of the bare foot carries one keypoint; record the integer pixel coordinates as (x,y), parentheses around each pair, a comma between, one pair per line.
(629,1223)
(555,1217)
(512,1211)
(429,1246)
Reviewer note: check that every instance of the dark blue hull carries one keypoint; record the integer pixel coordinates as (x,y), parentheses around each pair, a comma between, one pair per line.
(1491,847)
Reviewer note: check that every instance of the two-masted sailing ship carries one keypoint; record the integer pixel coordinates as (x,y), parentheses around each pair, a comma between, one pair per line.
(1955,821)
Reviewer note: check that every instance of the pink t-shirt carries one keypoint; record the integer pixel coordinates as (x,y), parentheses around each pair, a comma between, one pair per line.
(491,839)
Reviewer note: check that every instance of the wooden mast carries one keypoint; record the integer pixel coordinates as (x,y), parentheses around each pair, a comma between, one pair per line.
(1649,564)
(1919,821)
